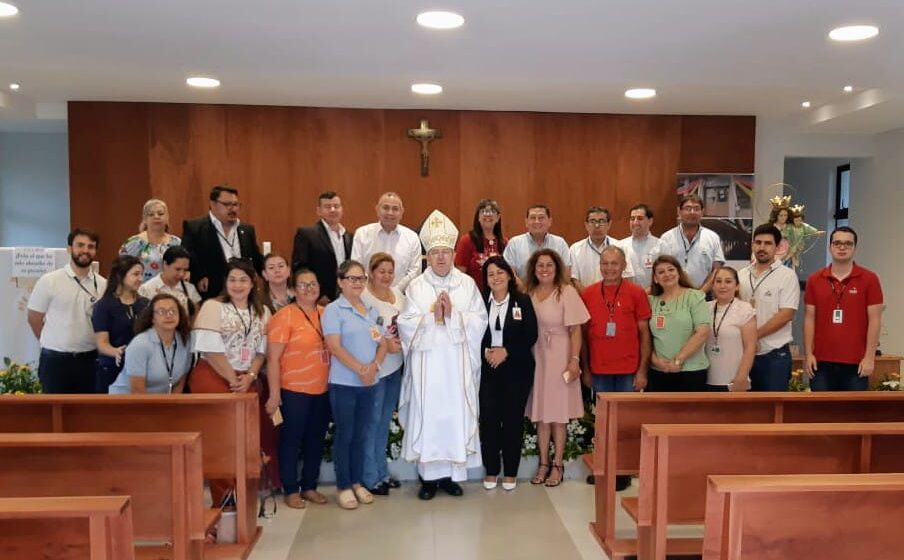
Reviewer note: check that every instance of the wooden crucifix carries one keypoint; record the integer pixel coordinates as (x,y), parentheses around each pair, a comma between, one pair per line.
(424,135)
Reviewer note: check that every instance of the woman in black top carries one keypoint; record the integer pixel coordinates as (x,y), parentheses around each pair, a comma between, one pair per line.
(507,372)
(114,316)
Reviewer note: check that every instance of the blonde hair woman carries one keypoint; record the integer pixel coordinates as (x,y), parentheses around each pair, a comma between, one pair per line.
(153,238)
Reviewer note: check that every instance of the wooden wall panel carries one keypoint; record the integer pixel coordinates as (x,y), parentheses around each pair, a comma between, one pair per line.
(280,158)
(108,172)
(497,162)
(717,144)
(648,153)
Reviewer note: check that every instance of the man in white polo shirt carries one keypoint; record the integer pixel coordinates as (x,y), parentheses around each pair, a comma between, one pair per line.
(59,313)
(520,248)
(585,254)
(642,247)
(774,291)
(388,235)
(697,248)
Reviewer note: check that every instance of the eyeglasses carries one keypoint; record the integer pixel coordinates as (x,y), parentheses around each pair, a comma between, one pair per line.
(843,244)
(489,212)
(166,312)
(355,279)
(228,204)
(694,209)
(595,222)
(307,285)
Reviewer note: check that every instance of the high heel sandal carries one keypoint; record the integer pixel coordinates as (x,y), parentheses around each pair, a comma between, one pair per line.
(553,482)
(542,474)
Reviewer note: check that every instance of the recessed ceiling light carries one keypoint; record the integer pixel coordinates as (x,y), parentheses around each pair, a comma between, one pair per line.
(805,104)
(203,82)
(440,20)
(8,10)
(640,93)
(853,33)
(427,89)
(848,89)
(14,86)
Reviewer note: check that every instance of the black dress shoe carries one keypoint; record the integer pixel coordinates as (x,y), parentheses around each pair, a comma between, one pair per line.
(393,483)
(451,488)
(427,491)
(381,489)
(591,479)
(622,482)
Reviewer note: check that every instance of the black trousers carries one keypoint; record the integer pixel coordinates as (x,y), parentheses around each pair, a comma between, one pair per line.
(104,376)
(503,396)
(67,372)
(680,382)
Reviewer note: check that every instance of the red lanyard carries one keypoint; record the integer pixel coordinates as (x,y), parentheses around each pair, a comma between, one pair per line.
(610,305)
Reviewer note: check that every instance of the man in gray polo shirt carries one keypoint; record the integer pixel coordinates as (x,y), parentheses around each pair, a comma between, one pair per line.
(59,313)
(774,291)
(520,248)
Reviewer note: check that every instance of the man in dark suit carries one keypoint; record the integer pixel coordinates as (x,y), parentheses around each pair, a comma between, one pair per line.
(323,246)
(216,238)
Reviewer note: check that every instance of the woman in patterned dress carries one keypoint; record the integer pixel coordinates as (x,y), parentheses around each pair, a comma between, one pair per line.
(153,238)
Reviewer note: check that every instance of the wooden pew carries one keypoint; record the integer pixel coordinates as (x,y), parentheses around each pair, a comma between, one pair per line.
(93,527)
(161,472)
(787,517)
(619,417)
(228,424)
(675,460)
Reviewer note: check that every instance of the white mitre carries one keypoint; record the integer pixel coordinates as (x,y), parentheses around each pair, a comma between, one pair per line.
(438,231)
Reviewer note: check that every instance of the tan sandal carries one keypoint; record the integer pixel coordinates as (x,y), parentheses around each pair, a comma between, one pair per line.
(295,501)
(363,494)
(346,499)
(542,474)
(314,496)
(553,482)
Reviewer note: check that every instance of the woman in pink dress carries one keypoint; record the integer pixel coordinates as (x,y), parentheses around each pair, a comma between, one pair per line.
(556,396)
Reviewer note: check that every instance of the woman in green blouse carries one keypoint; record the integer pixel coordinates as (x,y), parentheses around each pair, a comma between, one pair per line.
(680,326)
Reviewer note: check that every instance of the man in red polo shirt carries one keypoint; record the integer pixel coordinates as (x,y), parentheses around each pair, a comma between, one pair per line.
(617,349)
(843,319)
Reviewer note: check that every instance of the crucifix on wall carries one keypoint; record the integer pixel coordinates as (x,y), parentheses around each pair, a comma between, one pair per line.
(424,135)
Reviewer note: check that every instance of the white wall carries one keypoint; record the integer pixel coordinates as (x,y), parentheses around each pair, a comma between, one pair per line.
(776,141)
(34,189)
(877,213)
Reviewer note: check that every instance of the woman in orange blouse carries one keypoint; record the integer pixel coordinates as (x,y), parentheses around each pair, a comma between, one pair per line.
(298,371)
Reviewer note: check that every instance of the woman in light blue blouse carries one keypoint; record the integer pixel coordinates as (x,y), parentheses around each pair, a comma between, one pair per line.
(153,238)
(357,346)
(159,356)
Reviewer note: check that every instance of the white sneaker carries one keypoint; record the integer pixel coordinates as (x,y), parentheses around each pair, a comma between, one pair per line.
(489,485)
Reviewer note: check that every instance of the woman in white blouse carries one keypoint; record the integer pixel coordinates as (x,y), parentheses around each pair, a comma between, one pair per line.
(230,332)
(389,301)
(731,345)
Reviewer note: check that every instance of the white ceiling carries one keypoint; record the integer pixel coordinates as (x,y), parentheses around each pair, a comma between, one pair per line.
(703,56)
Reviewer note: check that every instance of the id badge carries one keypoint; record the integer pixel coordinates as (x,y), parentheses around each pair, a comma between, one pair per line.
(516,313)
(837,316)
(660,321)
(245,354)
(715,349)
(324,356)
(610,329)
(647,262)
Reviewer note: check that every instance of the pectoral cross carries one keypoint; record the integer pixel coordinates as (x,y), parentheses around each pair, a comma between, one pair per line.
(424,135)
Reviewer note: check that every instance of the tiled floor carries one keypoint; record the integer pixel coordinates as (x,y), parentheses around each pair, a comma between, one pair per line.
(529,523)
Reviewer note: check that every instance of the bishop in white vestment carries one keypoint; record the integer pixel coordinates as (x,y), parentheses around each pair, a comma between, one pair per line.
(441,329)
